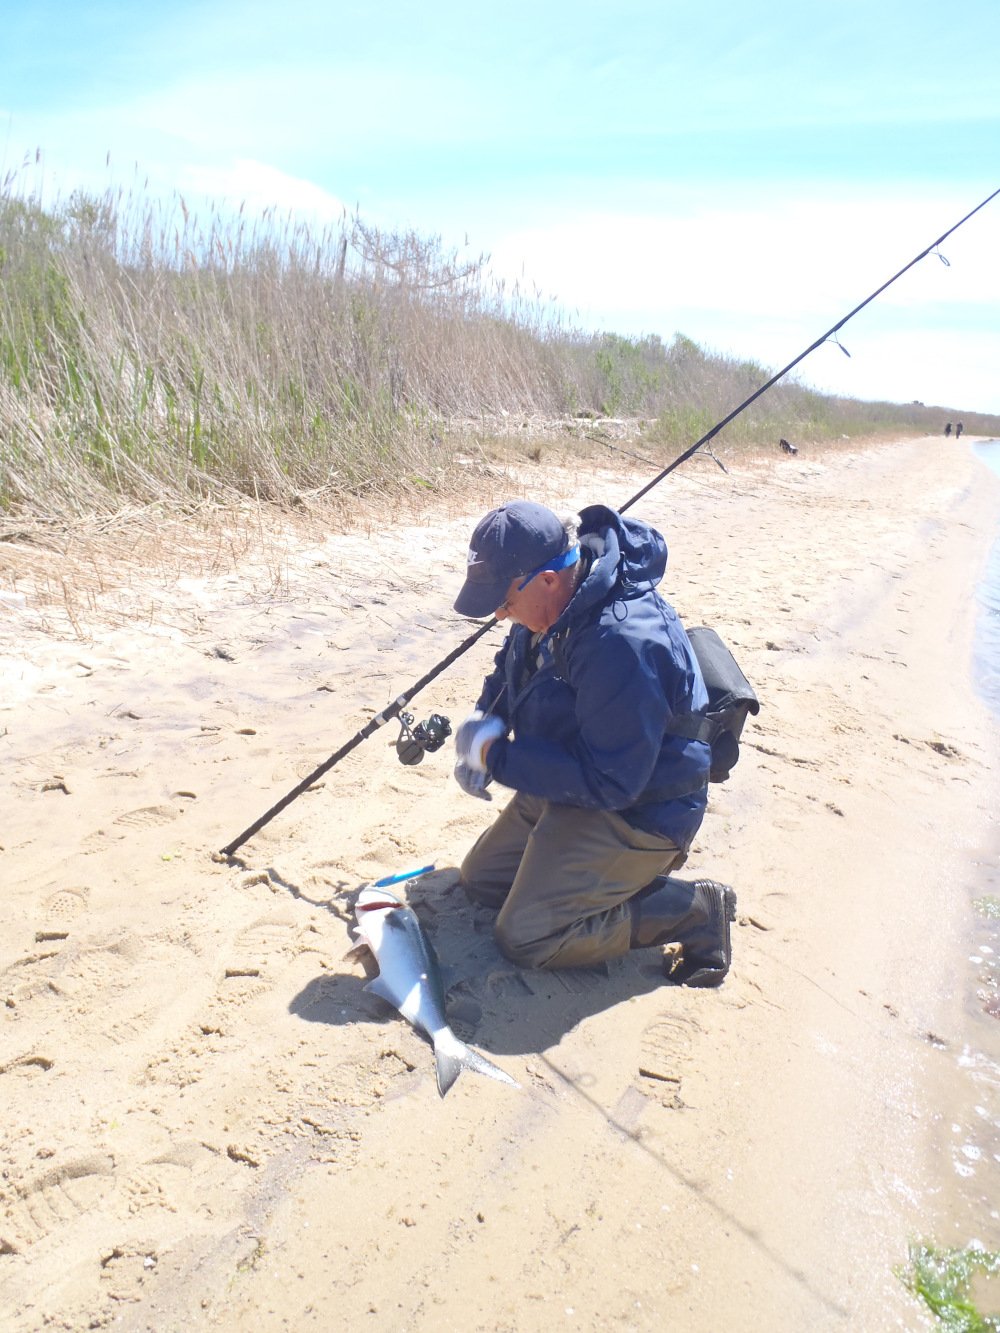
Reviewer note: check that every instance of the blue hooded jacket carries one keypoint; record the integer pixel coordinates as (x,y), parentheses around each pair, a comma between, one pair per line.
(588,702)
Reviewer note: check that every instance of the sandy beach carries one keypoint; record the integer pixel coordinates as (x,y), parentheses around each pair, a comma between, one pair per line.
(209,1123)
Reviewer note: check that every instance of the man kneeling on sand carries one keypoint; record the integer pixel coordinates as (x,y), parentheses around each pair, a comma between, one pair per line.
(575,718)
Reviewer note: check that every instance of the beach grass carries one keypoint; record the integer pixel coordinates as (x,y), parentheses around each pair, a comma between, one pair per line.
(152,357)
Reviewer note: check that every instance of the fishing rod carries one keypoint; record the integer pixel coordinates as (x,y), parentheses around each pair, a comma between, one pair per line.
(430,735)
(824,337)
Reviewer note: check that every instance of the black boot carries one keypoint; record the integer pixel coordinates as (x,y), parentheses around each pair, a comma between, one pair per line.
(693,913)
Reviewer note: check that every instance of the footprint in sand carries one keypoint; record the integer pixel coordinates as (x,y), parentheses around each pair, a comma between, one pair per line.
(182,1061)
(53,1201)
(575,981)
(64,906)
(135,1017)
(103,969)
(266,937)
(30,1063)
(177,1065)
(28,982)
(131,1027)
(148,816)
(254,946)
(663,1054)
(505,984)
(240,984)
(464,1011)
(181,1177)
(124,1273)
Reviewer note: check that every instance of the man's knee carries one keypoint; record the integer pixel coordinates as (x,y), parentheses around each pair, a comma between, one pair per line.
(467,870)
(519,947)
(481,893)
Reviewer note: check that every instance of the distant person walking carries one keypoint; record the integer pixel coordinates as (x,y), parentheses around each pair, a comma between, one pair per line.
(958,430)
(947,430)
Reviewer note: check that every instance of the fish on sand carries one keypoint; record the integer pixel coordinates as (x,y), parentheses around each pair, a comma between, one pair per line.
(410,980)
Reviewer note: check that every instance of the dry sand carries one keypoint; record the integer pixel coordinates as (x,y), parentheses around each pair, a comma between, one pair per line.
(208,1123)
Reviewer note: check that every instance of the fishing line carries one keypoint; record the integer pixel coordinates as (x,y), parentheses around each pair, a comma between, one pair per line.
(617,449)
(710,435)
(397,705)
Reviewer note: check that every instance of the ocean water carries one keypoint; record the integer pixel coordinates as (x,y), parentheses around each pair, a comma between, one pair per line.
(987,645)
(973,1121)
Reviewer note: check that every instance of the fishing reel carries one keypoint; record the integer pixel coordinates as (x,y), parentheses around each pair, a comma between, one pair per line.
(426,737)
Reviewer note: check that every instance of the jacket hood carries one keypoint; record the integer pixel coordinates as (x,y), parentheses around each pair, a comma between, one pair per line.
(626,553)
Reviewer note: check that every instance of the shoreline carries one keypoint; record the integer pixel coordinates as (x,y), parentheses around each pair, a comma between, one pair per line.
(987,647)
(196,1077)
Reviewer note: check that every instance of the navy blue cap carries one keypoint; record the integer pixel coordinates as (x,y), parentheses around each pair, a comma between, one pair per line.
(517,538)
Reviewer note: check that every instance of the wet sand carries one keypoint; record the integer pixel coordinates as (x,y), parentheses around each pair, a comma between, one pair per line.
(210,1124)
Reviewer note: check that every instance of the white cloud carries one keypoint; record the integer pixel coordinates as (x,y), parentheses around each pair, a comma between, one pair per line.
(259,187)
(792,252)
(955,368)
(765,279)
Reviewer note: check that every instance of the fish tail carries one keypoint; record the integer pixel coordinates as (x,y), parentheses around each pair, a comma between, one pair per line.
(452,1056)
(449,1064)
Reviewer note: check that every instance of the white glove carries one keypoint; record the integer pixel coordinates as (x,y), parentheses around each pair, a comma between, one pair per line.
(472,782)
(473,736)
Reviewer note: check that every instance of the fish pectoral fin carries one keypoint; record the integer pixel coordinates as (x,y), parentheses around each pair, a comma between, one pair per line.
(357,951)
(379,987)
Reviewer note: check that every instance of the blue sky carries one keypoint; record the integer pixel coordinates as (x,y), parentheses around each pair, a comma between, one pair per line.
(744,174)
